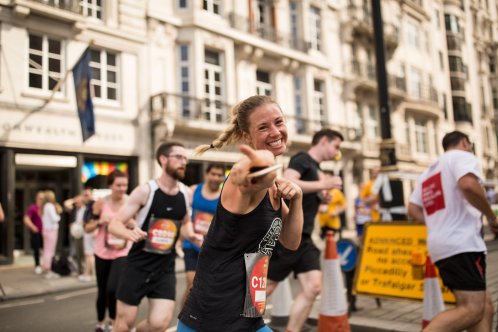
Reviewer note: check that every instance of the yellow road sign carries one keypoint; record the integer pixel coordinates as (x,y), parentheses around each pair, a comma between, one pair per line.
(392,262)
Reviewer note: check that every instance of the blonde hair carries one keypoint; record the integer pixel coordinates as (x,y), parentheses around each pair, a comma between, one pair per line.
(239,123)
(49,197)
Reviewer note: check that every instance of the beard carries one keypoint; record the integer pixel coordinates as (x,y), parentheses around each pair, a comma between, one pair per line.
(177,174)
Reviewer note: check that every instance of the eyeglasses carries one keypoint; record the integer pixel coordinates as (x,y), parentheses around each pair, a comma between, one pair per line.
(178,157)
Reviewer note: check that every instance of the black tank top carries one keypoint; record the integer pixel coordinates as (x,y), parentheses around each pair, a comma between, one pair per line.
(159,205)
(216,300)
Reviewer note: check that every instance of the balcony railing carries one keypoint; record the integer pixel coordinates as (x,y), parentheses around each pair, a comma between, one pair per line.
(457,84)
(70,5)
(454,42)
(267,32)
(306,126)
(397,82)
(184,108)
(364,69)
(177,107)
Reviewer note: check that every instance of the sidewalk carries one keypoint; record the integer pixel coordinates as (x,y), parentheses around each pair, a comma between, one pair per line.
(19,281)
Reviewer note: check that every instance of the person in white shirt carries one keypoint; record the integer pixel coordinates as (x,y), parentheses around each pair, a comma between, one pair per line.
(450,199)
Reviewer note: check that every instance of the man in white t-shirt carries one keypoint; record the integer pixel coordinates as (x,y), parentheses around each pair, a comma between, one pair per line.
(450,199)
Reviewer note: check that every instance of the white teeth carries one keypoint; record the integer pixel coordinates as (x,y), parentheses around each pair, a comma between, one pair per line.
(275,143)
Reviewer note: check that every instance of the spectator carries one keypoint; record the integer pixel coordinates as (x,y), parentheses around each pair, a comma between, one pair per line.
(330,213)
(32,219)
(370,198)
(51,211)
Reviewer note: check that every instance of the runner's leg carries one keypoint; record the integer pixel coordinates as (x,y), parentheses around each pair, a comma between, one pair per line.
(468,312)
(126,315)
(311,285)
(160,315)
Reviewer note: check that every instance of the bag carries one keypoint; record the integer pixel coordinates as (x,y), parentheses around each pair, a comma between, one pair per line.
(60,265)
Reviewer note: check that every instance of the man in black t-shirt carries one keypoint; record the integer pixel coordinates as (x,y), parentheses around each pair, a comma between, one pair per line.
(304,170)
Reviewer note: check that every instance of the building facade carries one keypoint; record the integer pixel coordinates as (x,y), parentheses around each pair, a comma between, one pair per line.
(171,70)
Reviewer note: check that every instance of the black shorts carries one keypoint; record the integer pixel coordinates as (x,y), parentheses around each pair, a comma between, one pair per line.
(190,257)
(465,271)
(136,284)
(283,261)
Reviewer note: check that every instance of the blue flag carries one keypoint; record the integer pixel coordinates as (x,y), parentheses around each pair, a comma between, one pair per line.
(82,75)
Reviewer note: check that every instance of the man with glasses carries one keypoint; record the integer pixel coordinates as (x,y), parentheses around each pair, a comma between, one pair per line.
(450,199)
(304,170)
(160,208)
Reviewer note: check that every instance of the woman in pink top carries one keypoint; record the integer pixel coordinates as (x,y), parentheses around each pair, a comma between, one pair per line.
(110,252)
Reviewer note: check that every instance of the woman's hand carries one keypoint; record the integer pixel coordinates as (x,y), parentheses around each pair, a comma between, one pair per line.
(287,190)
(253,159)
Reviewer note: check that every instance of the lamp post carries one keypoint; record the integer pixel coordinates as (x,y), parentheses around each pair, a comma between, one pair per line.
(387,146)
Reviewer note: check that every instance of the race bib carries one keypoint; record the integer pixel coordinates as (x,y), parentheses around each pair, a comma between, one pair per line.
(161,236)
(256,278)
(202,221)
(113,242)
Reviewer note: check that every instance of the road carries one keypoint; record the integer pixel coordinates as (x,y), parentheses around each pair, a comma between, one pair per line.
(70,311)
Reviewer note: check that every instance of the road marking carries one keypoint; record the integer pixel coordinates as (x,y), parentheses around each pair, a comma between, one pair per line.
(19,304)
(74,294)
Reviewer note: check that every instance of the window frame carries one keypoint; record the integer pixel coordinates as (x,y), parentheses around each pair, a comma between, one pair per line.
(91,5)
(45,72)
(103,82)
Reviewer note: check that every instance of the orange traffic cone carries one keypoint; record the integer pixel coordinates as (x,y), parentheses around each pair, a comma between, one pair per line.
(433,298)
(281,303)
(333,306)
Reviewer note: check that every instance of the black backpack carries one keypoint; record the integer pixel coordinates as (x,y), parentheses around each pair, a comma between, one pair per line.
(61,266)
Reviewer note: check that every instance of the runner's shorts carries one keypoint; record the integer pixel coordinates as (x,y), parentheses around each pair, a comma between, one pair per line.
(136,284)
(465,271)
(283,261)
(190,258)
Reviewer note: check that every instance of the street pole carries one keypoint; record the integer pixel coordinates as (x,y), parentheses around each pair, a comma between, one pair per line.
(387,146)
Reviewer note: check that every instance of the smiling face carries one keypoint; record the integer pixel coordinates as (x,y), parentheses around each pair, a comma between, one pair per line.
(267,129)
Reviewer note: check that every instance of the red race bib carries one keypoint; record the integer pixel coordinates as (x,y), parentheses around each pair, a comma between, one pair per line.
(256,278)
(202,221)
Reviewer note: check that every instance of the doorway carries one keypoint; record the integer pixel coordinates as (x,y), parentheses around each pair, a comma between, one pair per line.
(28,181)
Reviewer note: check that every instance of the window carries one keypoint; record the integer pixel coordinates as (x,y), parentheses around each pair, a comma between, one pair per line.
(421,136)
(492,64)
(372,123)
(45,62)
(451,23)
(315,29)
(184,80)
(105,76)
(298,105)
(415,83)
(319,102)
(437,19)
(213,87)
(182,4)
(495,98)
(294,25)
(411,35)
(212,6)
(92,8)
(263,84)
(441,60)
